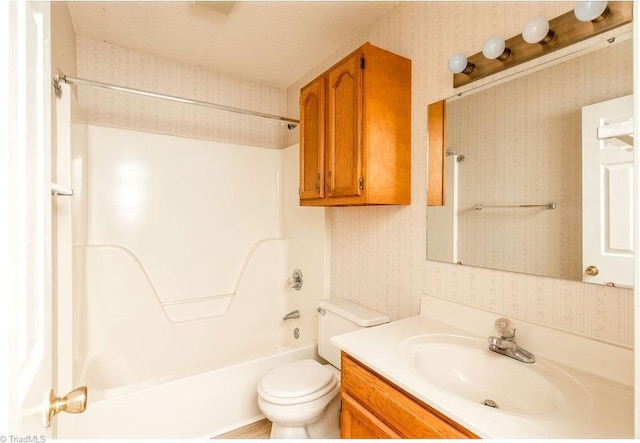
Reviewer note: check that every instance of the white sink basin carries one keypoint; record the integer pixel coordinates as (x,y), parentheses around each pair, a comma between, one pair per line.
(465,367)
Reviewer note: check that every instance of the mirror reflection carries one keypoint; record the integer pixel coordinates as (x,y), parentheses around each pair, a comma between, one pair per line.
(532,185)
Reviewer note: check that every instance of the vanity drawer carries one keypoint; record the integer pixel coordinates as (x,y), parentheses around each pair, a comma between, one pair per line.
(406,415)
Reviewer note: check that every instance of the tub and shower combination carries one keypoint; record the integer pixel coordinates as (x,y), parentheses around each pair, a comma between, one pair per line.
(173,259)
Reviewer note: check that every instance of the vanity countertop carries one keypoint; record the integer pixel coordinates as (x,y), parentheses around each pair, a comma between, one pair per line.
(608,414)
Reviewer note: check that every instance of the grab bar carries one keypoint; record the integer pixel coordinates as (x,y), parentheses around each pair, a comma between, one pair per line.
(481,206)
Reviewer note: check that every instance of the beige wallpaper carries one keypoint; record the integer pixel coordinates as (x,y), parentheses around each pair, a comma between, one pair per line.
(378,253)
(534,157)
(113,64)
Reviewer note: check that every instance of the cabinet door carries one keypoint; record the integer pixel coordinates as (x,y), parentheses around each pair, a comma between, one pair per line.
(344,141)
(312,140)
(358,422)
(398,411)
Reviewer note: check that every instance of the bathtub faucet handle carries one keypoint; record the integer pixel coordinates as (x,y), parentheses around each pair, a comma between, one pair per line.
(295,281)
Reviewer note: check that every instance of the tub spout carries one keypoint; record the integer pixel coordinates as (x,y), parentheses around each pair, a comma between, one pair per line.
(291,315)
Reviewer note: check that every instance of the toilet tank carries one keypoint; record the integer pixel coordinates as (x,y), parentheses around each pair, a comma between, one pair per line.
(339,316)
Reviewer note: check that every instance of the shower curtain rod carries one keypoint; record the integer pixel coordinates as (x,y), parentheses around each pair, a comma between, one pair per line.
(292,123)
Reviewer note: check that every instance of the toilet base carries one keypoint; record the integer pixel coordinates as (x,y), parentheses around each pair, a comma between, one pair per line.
(326,427)
(293,432)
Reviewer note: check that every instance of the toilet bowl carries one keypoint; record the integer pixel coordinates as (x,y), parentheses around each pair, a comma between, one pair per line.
(301,398)
(296,395)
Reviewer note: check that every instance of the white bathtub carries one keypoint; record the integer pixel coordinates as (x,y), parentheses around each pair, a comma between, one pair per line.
(197,406)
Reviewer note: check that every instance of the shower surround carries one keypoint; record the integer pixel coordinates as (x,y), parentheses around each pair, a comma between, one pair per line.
(180,249)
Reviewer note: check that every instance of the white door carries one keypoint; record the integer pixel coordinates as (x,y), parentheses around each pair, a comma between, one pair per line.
(607,192)
(26,210)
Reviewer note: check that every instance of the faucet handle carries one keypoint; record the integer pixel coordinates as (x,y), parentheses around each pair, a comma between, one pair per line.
(504,327)
(295,281)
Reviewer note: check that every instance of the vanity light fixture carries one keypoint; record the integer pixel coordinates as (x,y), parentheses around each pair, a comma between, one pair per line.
(495,48)
(539,37)
(537,31)
(591,11)
(458,64)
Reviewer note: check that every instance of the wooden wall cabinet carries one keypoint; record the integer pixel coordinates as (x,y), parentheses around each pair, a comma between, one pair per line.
(355,132)
(373,407)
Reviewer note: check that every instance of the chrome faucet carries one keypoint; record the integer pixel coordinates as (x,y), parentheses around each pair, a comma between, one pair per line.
(292,315)
(506,345)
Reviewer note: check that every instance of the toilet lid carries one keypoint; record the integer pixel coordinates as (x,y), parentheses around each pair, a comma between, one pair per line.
(296,379)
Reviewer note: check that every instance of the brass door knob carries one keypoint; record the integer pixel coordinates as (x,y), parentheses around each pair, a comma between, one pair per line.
(73,403)
(592,271)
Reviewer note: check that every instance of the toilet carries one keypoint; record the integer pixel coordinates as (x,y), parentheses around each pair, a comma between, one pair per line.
(301,398)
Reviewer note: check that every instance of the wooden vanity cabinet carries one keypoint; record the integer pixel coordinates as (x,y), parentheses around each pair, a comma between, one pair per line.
(373,407)
(355,132)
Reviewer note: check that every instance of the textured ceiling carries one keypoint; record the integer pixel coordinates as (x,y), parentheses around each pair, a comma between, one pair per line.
(273,43)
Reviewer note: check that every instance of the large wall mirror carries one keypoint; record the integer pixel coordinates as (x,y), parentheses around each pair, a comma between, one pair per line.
(539,173)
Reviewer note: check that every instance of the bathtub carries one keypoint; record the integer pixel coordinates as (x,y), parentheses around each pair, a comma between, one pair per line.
(201,405)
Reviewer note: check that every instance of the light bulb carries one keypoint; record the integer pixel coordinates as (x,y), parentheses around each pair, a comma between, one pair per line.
(495,48)
(537,31)
(458,63)
(591,11)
